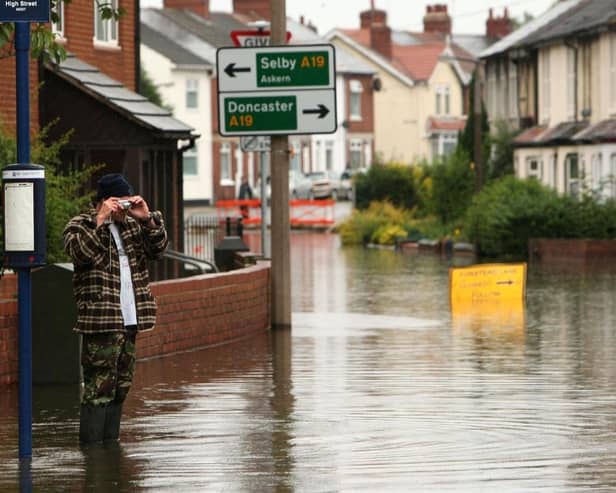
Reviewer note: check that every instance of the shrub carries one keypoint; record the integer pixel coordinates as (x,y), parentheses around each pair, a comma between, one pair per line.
(453,184)
(392,182)
(63,191)
(380,223)
(509,211)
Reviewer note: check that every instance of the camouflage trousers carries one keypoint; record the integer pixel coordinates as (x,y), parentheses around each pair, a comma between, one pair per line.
(108,363)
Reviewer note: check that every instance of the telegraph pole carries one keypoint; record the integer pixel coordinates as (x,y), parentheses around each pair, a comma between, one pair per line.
(281,254)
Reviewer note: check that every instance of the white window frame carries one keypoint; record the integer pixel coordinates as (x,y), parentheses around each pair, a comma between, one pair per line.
(613,73)
(572,185)
(536,172)
(355,92)
(612,175)
(58,27)
(295,161)
(596,164)
(545,85)
(442,100)
(226,174)
(192,153)
(192,91)
(571,78)
(110,35)
(356,153)
(513,90)
(329,155)
(438,143)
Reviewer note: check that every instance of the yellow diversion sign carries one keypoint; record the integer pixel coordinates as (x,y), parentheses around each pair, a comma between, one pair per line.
(488,293)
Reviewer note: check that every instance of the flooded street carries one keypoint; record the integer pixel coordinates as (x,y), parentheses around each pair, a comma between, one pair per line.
(374,389)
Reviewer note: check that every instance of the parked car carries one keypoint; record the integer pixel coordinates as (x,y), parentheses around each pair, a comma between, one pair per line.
(300,186)
(346,182)
(325,184)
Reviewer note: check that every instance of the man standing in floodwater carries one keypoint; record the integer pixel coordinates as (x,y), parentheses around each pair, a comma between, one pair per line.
(110,246)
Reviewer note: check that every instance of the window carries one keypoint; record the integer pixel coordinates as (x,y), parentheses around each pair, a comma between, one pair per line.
(513,90)
(296,157)
(597,172)
(317,155)
(492,92)
(534,168)
(225,162)
(355,103)
(545,85)
(58,26)
(192,93)
(572,175)
(329,155)
(190,160)
(443,100)
(570,84)
(356,153)
(613,72)
(443,144)
(612,177)
(105,30)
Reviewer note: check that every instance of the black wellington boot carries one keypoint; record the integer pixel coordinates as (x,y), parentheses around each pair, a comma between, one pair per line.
(113,415)
(91,424)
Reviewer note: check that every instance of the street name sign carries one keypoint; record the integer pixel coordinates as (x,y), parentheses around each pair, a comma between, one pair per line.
(255,143)
(253,38)
(277,90)
(24,10)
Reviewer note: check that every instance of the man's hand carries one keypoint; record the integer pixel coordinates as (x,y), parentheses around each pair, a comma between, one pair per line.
(107,208)
(139,210)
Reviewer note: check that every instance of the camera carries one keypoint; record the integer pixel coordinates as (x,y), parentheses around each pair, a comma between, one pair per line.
(125,204)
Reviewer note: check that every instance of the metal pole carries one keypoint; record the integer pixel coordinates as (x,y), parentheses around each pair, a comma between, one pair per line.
(24,303)
(281,258)
(477,140)
(265,247)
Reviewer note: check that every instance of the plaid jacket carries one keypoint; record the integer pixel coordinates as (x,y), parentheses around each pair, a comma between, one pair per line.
(96,276)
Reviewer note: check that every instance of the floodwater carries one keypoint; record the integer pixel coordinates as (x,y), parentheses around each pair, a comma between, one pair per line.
(377,388)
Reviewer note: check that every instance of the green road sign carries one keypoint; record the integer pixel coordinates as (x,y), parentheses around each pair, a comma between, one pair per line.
(282,113)
(276,90)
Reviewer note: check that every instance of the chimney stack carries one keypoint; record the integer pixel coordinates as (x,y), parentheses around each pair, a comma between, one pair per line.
(498,27)
(199,7)
(437,19)
(380,33)
(254,8)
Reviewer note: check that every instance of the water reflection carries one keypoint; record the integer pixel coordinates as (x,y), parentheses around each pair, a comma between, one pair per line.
(376,388)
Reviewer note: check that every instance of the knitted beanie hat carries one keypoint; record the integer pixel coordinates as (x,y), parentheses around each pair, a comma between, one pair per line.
(113,185)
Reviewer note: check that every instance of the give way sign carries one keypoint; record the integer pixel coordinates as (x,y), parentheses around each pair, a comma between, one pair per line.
(253,38)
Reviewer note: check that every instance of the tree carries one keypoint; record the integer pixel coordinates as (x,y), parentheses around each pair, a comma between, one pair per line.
(64,196)
(42,40)
(466,138)
(501,160)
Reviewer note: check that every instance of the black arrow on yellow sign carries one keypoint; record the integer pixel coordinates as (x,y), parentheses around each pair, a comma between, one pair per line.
(504,282)
(322,111)
(231,70)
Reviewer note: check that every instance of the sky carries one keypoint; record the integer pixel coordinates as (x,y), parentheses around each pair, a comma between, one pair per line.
(468,16)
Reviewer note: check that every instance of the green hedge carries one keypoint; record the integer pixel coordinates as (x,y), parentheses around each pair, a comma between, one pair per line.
(508,212)
(394,183)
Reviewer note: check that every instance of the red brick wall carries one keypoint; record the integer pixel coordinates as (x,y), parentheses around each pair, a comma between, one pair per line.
(118,63)
(194,312)
(8,93)
(208,310)
(8,329)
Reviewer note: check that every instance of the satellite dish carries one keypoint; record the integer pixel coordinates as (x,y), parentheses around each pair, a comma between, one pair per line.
(377,85)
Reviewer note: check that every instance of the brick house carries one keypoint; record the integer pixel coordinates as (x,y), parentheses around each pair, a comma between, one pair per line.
(221,163)
(93,95)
